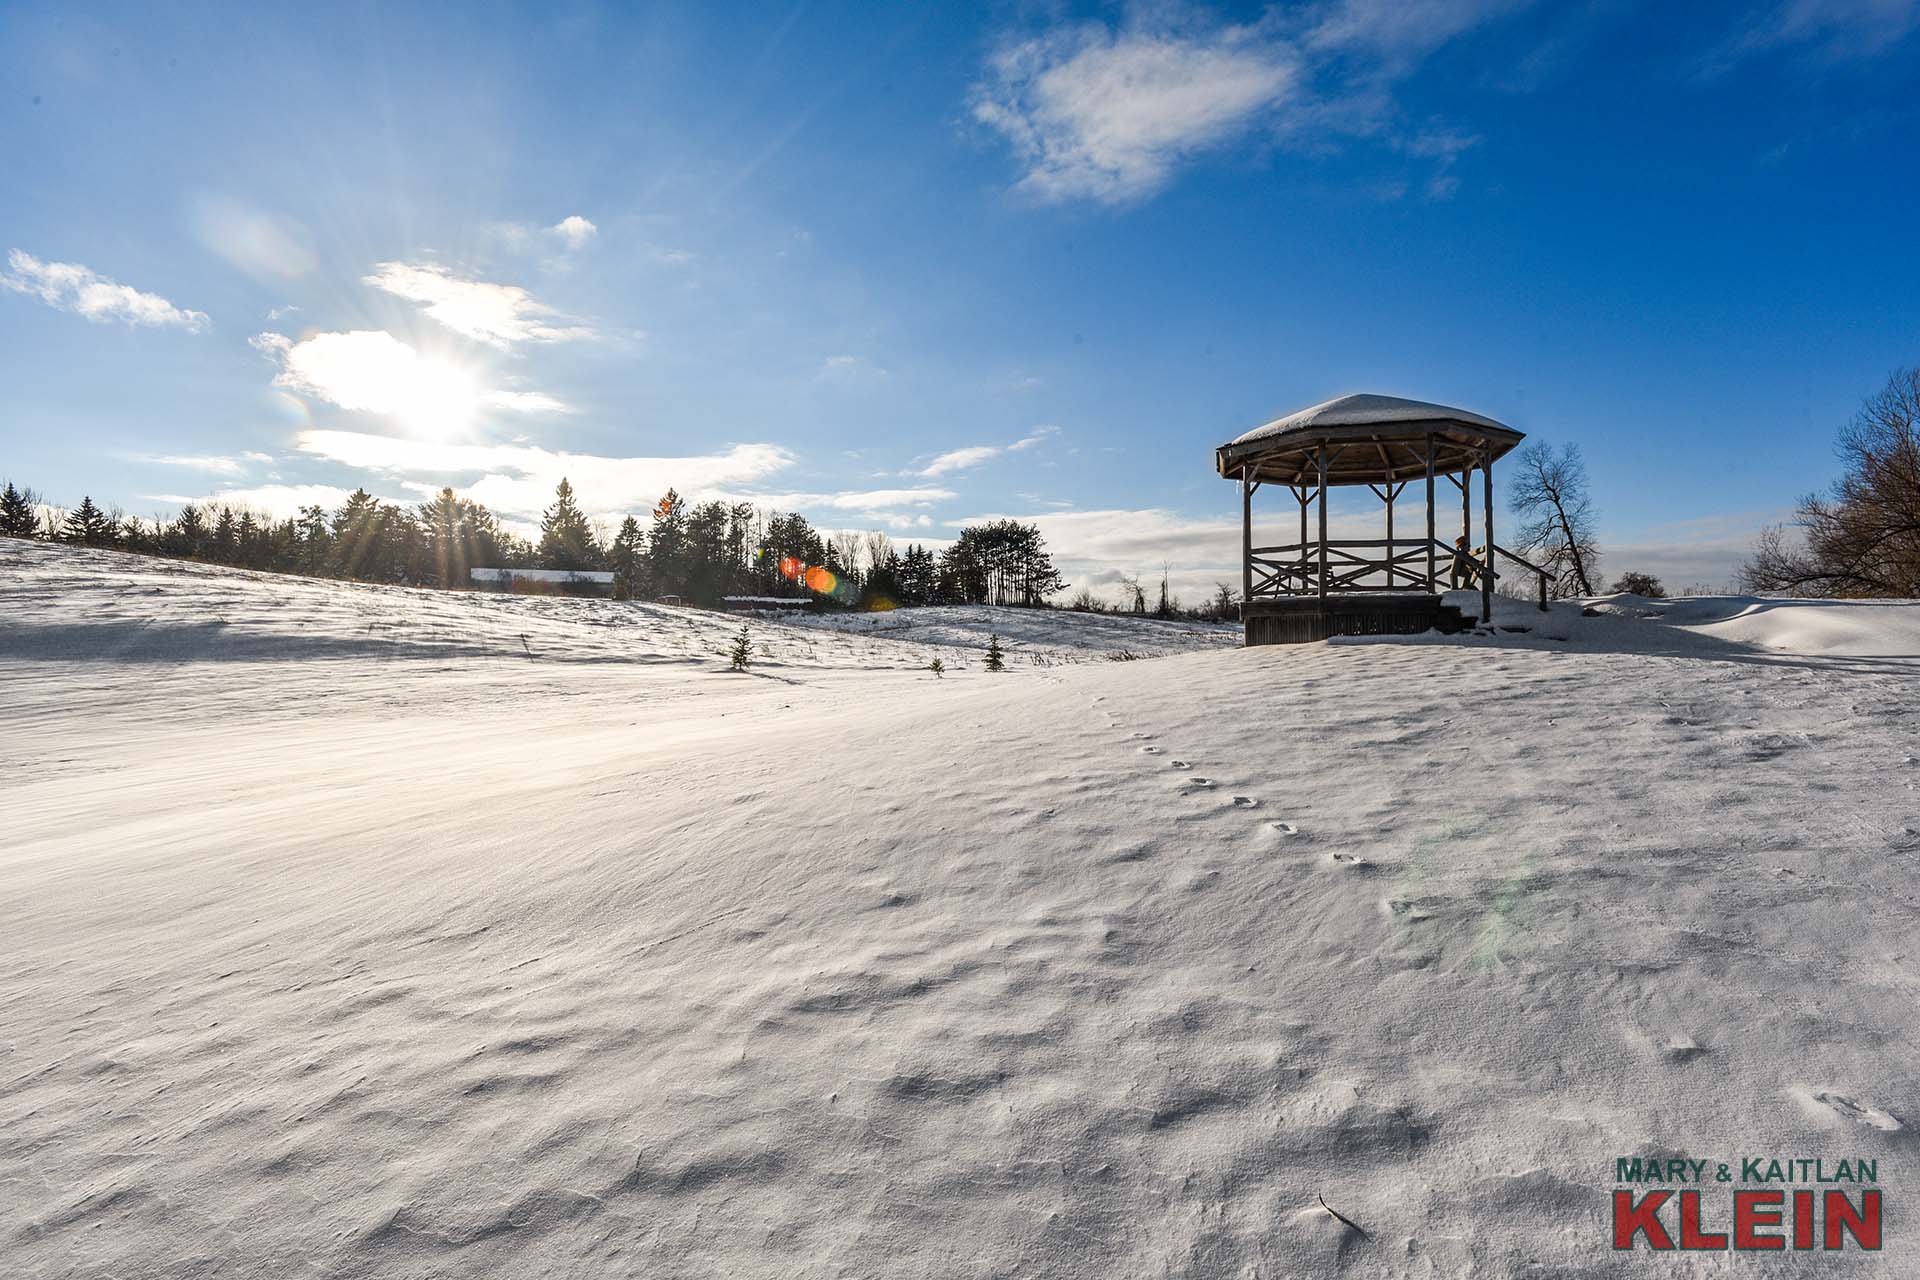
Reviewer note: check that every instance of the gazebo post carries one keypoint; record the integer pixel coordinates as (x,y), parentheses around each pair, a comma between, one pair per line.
(1433,583)
(1301,493)
(1486,522)
(1320,459)
(1246,535)
(1466,503)
(1388,490)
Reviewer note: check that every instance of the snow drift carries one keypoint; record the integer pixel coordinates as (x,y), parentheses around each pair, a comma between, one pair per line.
(360,931)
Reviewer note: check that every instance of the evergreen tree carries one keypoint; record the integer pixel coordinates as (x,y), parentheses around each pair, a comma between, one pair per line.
(88,525)
(1000,562)
(919,576)
(566,536)
(742,653)
(995,660)
(187,535)
(249,548)
(667,545)
(938,667)
(624,559)
(225,536)
(357,529)
(316,540)
(457,535)
(17,516)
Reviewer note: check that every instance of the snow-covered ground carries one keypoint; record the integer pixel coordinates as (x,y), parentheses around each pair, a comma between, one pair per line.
(1040,636)
(351,931)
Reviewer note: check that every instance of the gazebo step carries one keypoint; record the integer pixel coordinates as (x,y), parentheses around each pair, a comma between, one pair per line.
(1303,619)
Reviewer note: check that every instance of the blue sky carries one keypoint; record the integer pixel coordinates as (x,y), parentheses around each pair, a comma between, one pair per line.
(898,267)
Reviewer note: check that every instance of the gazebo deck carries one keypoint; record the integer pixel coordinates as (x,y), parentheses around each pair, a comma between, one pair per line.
(1303,619)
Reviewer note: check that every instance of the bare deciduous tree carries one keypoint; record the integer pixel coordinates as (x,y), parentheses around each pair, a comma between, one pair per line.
(1549,494)
(1863,538)
(875,548)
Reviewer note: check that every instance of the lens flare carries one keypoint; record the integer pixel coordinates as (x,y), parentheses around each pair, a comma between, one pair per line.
(822,580)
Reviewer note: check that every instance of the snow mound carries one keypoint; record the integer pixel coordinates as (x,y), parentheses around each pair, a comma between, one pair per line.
(335,955)
(1843,628)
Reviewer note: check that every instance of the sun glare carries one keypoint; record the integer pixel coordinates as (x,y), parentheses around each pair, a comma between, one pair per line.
(438,401)
(430,396)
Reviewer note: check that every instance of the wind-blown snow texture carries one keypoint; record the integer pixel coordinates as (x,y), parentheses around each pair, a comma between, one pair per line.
(352,931)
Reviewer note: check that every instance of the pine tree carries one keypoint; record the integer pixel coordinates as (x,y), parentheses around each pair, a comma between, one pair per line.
(566,535)
(624,559)
(88,525)
(316,540)
(938,667)
(17,516)
(995,660)
(188,534)
(356,535)
(667,545)
(742,655)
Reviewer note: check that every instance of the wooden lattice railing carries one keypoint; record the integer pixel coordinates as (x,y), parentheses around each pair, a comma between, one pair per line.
(1375,564)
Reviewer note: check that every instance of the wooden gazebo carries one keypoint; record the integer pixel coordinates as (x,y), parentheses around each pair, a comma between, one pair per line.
(1321,586)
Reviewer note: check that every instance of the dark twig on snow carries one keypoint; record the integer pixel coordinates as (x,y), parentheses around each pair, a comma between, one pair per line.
(1343,1217)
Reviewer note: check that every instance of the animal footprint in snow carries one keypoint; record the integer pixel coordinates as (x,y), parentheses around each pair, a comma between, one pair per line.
(1283,829)
(1348,862)
(1859,1111)
(1402,909)
(1245,802)
(1151,751)
(1178,764)
(1196,784)
(1679,1047)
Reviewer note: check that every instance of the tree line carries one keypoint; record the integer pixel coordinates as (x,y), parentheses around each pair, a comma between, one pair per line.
(700,552)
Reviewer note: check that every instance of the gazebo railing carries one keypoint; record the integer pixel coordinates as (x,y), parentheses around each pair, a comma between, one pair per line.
(1371,564)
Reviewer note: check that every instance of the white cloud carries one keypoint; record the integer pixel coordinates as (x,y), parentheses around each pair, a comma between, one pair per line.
(975,454)
(277,500)
(859,499)
(1402,31)
(1096,114)
(497,314)
(1038,435)
(845,368)
(214,463)
(574,231)
(1832,30)
(67,286)
(1107,114)
(524,402)
(371,371)
(518,479)
(960,459)
(898,509)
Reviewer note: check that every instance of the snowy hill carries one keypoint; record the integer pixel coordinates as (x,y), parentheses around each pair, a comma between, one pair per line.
(354,931)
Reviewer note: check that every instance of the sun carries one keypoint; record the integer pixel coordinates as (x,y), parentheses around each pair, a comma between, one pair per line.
(428,395)
(436,400)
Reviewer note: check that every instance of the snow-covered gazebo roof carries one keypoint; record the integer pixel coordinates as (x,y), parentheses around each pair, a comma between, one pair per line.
(1392,434)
